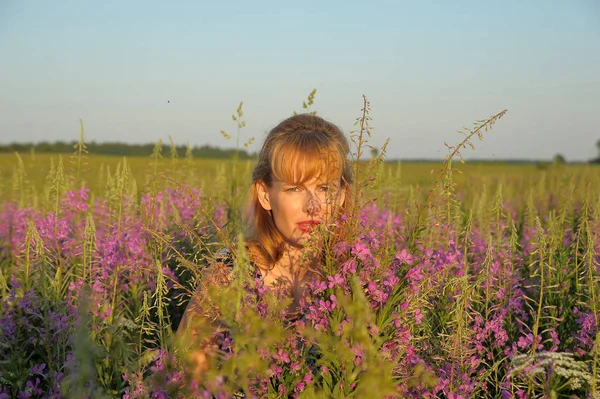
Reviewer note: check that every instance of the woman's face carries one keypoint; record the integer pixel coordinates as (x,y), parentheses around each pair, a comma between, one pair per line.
(298,209)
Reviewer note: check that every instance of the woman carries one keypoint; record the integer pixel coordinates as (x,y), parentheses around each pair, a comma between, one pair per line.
(300,183)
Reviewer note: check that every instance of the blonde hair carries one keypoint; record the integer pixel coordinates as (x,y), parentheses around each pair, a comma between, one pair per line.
(298,149)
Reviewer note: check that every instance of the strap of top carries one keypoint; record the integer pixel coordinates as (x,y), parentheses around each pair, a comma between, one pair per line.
(224,256)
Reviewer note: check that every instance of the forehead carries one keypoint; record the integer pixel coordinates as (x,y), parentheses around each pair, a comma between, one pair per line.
(310,181)
(296,166)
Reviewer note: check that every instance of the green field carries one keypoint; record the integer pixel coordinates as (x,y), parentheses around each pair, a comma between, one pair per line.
(480,280)
(214,176)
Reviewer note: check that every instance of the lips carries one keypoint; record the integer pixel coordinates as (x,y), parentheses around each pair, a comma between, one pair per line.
(308,225)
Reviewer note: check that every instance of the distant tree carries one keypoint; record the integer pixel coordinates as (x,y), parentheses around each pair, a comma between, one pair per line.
(559,160)
(597,159)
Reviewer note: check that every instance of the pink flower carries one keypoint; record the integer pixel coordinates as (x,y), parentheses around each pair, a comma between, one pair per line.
(349,266)
(282,356)
(294,367)
(418,316)
(335,280)
(405,257)
(361,250)
(414,274)
(308,378)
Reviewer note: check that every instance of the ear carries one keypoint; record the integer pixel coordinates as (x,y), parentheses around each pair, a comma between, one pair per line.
(263,195)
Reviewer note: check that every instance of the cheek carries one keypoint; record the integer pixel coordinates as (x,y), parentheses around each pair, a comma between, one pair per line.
(279,211)
(285,211)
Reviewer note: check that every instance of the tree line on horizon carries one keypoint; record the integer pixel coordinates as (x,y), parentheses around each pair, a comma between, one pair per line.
(125,149)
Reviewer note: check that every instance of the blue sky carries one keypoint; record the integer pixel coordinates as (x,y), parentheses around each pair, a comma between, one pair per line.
(138,71)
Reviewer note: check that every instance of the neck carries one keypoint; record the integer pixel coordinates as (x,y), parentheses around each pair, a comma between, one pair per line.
(297,262)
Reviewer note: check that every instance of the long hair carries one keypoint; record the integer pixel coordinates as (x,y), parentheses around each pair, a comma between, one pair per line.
(298,149)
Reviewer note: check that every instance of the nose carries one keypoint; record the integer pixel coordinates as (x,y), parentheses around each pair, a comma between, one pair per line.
(312,204)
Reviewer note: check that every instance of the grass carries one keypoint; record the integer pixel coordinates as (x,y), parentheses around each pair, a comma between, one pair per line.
(210,175)
(459,280)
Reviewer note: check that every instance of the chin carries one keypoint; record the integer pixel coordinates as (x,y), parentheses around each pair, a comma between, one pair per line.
(301,243)
(298,242)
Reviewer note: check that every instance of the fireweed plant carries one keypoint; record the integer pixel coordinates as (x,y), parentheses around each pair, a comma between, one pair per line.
(484,289)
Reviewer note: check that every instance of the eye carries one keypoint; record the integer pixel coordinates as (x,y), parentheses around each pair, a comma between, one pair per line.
(291,189)
(324,188)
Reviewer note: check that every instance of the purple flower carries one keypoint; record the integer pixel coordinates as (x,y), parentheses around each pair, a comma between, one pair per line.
(349,266)
(404,257)
(77,199)
(318,287)
(418,316)
(282,390)
(335,280)
(38,369)
(282,356)
(361,250)
(414,274)
(307,378)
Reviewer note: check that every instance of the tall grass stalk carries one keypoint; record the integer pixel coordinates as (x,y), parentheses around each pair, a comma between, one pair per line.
(480,127)
(79,158)
(589,258)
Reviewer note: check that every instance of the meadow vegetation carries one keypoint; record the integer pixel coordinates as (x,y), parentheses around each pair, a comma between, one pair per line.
(457,280)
